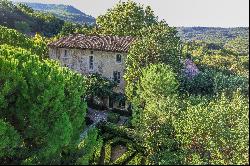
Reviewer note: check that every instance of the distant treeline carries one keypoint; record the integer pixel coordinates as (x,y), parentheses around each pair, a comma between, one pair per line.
(234,39)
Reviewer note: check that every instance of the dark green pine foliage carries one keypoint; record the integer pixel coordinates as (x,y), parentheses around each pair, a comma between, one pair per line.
(42,108)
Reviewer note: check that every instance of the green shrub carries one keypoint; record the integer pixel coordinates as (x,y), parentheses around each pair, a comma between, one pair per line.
(97,153)
(215,131)
(118,141)
(121,160)
(211,82)
(244,61)
(113,117)
(229,83)
(107,156)
(121,112)
(10,140)
(36,45)
(98,86)
(90,148)
(107,136)
(136,160)
(157,80)
(120,131)
(201,84)
(108,147)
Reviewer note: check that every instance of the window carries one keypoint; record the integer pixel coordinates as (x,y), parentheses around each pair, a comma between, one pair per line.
(91,52)
(65,56)
(65,53)
(81,63)
(118,58)
(91,63)
(117,76)
(57,52)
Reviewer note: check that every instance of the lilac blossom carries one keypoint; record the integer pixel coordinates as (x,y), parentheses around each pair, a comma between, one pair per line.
(190,69)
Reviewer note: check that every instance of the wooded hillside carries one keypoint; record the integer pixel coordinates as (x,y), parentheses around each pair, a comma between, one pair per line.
(64,12)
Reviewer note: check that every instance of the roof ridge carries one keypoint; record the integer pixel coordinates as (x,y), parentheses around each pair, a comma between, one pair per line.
(95,42)
(101,35)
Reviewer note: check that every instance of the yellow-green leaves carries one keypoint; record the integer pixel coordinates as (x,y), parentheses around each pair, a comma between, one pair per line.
(36,45)
(126,19)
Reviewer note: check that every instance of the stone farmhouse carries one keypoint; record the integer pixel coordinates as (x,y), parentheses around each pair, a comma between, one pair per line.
(88,54)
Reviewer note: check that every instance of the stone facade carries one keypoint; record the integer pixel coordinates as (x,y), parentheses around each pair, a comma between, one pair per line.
(104,63)
(88,54)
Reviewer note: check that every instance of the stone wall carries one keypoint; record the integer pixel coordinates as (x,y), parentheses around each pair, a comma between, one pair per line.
(104,62)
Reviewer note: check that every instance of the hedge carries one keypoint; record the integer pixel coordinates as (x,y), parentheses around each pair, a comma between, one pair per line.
(136,160)
(113,117)
(121,160)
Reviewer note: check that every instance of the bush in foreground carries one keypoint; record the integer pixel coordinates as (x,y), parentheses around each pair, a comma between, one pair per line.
(42,103)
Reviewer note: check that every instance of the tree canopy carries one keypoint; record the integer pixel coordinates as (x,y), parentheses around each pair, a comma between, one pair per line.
(126,19)
(44,105)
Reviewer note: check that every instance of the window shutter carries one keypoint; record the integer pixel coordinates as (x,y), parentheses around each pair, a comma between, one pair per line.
(115,76)
(118,77)
(91,62)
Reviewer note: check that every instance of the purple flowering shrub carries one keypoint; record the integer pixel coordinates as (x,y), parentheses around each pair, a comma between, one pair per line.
(194,81)
(190,70)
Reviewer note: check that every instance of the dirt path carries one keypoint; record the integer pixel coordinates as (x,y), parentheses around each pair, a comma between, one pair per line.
(96,115)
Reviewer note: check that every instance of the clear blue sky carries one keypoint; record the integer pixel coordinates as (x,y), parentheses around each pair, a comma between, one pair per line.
(216,13)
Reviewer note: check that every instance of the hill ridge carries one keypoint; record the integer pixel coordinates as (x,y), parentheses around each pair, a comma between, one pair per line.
(64,12)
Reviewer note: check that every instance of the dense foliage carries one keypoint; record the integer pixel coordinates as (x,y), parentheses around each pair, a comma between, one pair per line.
(177,131)
(10,140)
(72,28)
(44,105)
(219,59)
(155,105)
(189,100)
(219,36)
(238,45)
(126,19)
(36,45)
(97,86)
(97,89)
(214,131)
(89,148)
(158,44)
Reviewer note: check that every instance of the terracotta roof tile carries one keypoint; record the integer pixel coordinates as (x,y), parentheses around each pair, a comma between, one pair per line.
(95,42)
